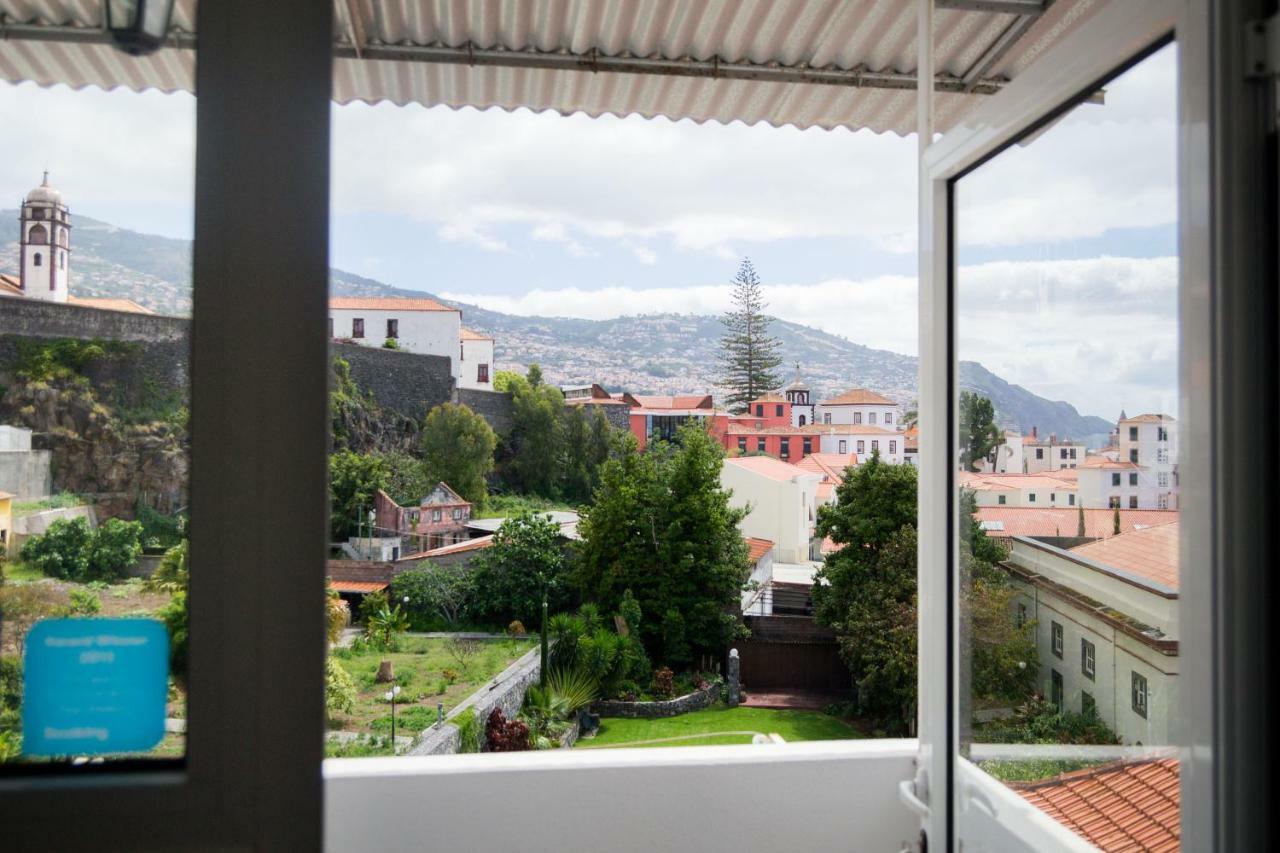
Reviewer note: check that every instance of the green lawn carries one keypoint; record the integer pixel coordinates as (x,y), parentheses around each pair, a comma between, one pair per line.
(16,570)
(718,725)
(419,667)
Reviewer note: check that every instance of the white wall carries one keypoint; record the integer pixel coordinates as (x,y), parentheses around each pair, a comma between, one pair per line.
(840,795)
(475,353)
(831,443)
(780,511)
(422,332)
(860,415)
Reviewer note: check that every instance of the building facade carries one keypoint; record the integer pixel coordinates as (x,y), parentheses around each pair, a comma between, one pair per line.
(858,407)
(422,326)
(475,357)
(782,503)
(44,244)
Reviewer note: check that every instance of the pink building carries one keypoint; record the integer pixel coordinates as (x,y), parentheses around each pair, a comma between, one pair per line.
(439,519)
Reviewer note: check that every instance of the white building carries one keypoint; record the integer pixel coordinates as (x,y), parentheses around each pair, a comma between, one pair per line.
(856,407)
(1007,456)
(476,368)
(781,500)
(1050,454)
(423,326)
(1151,443)
(1106,623)
(1019,490)
(1106,484)
(864,441)
(44,244)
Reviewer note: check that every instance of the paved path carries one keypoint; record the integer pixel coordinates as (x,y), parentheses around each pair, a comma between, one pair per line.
(784,699)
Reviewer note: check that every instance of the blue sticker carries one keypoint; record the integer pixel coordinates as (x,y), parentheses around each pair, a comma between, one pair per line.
(94,685)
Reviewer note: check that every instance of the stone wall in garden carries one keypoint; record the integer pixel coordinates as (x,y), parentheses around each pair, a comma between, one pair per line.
(506,691)
(694,701)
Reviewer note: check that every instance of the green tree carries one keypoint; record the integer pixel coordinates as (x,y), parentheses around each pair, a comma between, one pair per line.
(114,549)
(1080,528)
(339,688)
(353,481)
(174,616)
(438,595)
(408,478)
(979,434)
(173,574)
(662,527)
(535,445)
(749,355)
(457,447)
(63,551)
(589,441)
(511,574)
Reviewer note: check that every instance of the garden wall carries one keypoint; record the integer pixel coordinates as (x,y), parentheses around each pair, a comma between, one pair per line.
(694,701)
(506,691)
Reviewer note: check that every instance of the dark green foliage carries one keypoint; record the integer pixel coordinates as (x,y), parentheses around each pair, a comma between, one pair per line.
(10,683)
(371,604)
(511,575)
(173,573)
(174,616)
(71,550)
(749,357)
(468,730)
(675,642)
(158,529)
(979,434)
(353,481)
(438,595)
(408,479)
(535,445)
(65,358)
(589,440)
(662,527)
(583,645)
(457,448)
(629,610)
(1039,721)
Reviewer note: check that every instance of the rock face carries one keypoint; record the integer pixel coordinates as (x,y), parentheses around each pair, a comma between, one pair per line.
(97,454)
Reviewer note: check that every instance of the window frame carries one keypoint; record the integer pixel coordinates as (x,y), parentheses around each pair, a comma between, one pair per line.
(1139,694)
(1057,639)
(1088,659)
(240,771)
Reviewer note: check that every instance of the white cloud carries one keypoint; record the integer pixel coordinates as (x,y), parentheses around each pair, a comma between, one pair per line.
(555,232)
(470,234)
(1100,333)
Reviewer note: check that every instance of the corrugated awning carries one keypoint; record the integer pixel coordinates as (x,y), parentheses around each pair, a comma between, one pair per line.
(808,63)
(362,587)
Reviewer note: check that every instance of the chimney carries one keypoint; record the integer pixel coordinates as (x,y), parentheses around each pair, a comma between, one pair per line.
(1053,438)
(1033,432)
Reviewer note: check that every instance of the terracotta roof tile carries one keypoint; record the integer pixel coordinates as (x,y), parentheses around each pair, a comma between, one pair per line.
(1107,464)
(469,335)
(757,548)
(386,303)
(1123,806)
(1149,419)
(1064,521)
(1150,553)
(767,466)
(107,304)
(858,397)
(357,586)
(479,543)
(9,285)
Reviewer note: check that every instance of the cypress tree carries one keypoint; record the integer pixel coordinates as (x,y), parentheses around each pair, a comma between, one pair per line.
(749,357)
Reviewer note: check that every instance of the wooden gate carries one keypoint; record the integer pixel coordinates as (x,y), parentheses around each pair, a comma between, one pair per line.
(791,652)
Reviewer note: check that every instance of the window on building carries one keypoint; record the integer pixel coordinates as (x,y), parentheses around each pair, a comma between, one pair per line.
(435,515)
(1073,454)
(1113,502)
(1133,501)
(1055,638)
(1162,455)
(759,410)
(1031,497)
(1133,455)
(1001,499)
(844,446)
(357,327)
(742,444)
(1053,497)
(1162,434)
(857,417)
(760,444)
(62,260)
(38,235)
(785,447)
(393,328)
(871,417)
(1062,453)
(893,447)
(1039,452)
(875,446)
(1055,689)
(1133,478)
(1138,695)
(1088,659)
(1115,479)
(457,514)
(482,373)
(1162,479)
(808,442)
(38,260)
(1071,500)
(862,447)
(802,420)
(1133,433)
(888,418)
(1162,501)
(826,417)
(778,410)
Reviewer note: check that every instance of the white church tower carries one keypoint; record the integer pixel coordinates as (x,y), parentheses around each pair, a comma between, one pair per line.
(44,241)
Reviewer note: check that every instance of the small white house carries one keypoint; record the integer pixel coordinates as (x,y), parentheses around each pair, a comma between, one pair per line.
(1151,443)
(1040,454)
(781,499)
(859,407)
(1020,490)
(864,441)
(476,368)
(422,326)
(1120,658)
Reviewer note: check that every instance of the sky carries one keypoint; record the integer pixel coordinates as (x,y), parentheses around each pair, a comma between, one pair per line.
(1066,245)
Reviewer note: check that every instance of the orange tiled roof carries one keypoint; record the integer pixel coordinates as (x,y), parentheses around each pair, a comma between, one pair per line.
(1150,553)
(683,401)
(770,397)
(386,303)
(468,335)
(1149,419)
(105,304)
(476,544)
(811,429)
(1124,806)
(757,548)
(829,465)
(1064,521)
(767,466)
(1008,482)
(858,397)
(364,587)
(1107,464)
(9,285)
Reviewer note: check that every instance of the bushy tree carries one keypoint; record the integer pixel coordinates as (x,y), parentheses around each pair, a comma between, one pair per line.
(749,357)
(353,481)
(408,478)
(457,447)
(535,446)
(511,575)
(71,550)
(173,574)
(174,616)
(663,528)
(979,434)
(339,688)
(115,547)
(438,595)
(589,440)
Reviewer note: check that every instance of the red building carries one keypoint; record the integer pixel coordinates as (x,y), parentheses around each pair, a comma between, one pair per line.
(439,519)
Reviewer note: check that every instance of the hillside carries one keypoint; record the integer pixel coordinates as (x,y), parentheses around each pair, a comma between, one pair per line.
(652,353)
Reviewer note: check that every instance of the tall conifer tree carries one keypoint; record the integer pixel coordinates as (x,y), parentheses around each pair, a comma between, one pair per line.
(749,357)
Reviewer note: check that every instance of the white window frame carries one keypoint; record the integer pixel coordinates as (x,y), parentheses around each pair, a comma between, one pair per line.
(1224,118)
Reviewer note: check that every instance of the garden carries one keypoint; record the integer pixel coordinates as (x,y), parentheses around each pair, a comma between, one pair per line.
(718,725)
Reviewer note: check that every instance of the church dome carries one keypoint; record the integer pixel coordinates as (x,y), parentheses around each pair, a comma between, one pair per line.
(44,193)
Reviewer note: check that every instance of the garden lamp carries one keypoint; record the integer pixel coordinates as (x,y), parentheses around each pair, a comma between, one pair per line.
(138,27)
(390,696)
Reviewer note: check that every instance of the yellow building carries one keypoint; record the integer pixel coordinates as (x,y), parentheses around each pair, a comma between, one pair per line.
(6,521)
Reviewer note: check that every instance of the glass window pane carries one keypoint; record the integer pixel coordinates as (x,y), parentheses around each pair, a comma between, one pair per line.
(1066,283)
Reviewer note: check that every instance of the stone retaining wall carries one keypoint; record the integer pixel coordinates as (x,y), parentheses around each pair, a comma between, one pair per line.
(694,701)
(506,691)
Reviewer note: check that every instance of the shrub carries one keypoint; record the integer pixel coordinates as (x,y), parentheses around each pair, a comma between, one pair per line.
(664,684)
(516,628)
(72,551)
(468,724)
(384,627)
(371,604)
(84,602)
(339,689)
(337,615)
(462,651)
(503,735)
(450,675)
(438,595)
(174,616)
(10,683)
(114,548)
(172,574)
(629,610)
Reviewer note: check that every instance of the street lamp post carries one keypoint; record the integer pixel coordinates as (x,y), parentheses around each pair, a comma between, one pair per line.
(390,696)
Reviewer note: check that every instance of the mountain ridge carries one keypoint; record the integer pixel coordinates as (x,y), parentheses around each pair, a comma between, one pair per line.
(646,353)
